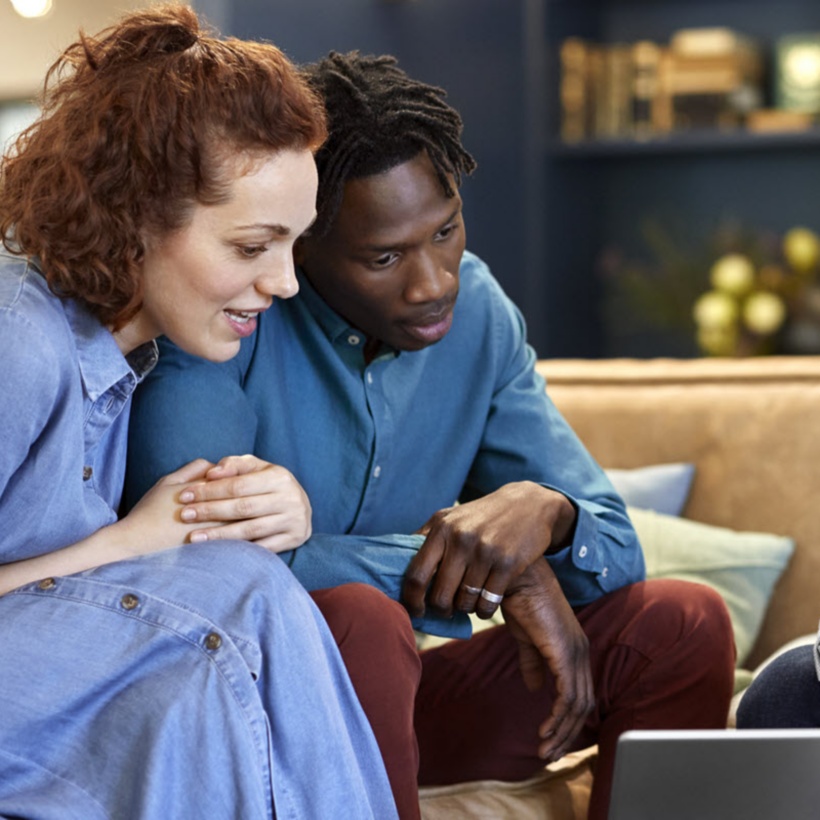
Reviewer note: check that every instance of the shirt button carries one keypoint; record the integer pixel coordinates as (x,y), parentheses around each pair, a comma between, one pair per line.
(582,553)
(213,641)
(604,572)
(87,473)
(369,378)
(47,583)
(353,339)
(129,601)
(377,471)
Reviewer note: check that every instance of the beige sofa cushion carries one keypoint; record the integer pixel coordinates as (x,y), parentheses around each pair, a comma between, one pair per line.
(752,429)
(560,793)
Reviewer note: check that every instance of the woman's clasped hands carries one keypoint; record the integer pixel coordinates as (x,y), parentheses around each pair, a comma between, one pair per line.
(240,498)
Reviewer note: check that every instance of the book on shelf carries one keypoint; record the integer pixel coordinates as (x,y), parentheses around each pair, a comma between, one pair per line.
(576,89)
(797,72)
(716,77)
(716,41)
(704,78)
(646,79)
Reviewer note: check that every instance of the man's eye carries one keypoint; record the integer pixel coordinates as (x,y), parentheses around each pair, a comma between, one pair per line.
(384,260)
(446,231)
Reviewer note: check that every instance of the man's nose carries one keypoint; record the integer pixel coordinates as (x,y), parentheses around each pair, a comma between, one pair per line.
(429,280)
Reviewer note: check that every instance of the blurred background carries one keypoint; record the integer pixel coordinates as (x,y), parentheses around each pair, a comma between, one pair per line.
(649,170)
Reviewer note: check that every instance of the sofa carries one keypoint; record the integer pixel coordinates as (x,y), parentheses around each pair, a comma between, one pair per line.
(749,432)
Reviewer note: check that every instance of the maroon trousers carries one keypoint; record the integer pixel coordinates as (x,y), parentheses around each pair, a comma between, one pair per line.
(662,656)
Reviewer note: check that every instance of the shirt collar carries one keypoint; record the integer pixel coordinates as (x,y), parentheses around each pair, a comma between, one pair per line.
(336,328)
(102,364)
(333,325)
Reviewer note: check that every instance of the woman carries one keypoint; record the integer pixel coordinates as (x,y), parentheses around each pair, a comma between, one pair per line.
(160,192)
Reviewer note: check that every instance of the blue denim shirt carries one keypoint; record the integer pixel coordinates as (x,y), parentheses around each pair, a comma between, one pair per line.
(193,682)
(64,407)
(379,447)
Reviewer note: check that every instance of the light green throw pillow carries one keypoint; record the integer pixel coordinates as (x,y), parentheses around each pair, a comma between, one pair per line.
(742,566)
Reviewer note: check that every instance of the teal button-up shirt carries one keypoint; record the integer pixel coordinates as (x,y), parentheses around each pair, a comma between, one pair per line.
(380,447)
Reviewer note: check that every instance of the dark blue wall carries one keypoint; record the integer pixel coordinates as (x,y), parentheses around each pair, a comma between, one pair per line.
(472,48)
(539,215)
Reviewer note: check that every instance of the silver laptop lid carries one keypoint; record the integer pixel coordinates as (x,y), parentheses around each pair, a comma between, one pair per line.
(771,774)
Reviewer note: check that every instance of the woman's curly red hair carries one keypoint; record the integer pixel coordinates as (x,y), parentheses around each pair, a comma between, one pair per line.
(138,124)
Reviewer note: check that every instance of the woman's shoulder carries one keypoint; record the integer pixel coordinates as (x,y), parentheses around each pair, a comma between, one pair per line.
(24,291)
(34,333)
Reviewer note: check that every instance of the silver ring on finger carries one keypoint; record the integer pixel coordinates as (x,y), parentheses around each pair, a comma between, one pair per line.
(471,590)
(492,597)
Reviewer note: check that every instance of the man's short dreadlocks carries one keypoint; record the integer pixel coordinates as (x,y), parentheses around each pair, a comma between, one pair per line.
(378,118)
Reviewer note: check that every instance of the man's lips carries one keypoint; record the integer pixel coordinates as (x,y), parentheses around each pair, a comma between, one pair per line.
(431,328)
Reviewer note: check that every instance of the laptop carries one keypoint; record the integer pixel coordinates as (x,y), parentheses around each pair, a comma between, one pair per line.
(750,774)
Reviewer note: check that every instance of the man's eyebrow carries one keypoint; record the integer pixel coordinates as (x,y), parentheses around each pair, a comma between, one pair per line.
(384,248)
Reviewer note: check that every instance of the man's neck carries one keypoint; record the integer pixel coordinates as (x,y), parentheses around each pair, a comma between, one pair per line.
(371,349)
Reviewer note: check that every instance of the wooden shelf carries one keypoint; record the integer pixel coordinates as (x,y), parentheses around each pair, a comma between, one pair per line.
(690,142)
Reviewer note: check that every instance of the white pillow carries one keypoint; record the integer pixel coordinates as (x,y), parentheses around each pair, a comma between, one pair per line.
(662,488)
(742,566)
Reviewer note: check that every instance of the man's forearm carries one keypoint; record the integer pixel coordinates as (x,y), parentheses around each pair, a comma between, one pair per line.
(381,561)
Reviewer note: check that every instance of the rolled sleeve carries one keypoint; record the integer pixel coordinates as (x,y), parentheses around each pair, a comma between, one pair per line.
(604,555)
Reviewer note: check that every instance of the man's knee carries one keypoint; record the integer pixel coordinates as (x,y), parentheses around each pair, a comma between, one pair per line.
(695,616)
(665,614)
(359,611)
(377,643)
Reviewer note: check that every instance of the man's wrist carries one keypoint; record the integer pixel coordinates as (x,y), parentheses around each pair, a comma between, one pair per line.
(565,518)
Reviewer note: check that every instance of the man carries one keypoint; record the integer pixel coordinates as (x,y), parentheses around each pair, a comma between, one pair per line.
(398,382)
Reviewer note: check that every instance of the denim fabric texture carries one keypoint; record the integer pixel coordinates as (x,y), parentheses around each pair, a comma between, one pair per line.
(64,407)
(380,447)
(196,682)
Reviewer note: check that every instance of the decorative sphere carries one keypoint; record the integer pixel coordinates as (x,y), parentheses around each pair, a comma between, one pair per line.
(801,247)
(733,273)
(717,341)
(764,312)
(716,309)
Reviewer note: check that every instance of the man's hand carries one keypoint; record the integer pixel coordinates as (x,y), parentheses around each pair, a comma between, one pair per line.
(485,545)
(550,639)
(249,499)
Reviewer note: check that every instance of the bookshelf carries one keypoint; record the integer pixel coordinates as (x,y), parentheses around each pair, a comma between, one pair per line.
(593,197)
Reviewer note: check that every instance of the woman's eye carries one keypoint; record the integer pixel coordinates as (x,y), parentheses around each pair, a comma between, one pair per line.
(250,251)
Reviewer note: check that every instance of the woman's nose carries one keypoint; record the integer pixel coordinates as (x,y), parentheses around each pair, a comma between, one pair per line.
(280,280)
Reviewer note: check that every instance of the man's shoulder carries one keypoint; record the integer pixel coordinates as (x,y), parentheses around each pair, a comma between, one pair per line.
(474,271)
(481,299)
